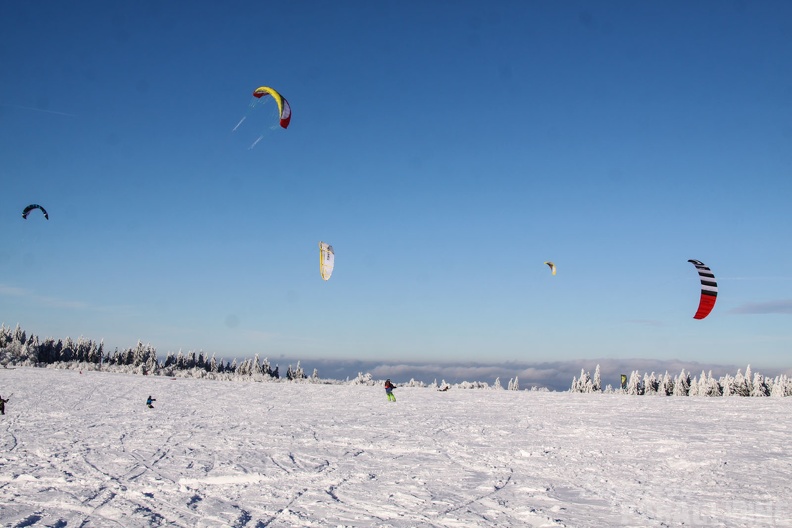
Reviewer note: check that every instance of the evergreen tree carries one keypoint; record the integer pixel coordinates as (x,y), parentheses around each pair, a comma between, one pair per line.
(298,372)
(19,335)
(759,387)
(694,387)
(635,385)
(712,388)
(739,385)
(651,385)
(266,369)
(749,380)
(667,385)
(597,382)
(727,385)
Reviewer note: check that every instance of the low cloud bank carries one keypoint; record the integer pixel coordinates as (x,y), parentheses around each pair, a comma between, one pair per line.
(555,375)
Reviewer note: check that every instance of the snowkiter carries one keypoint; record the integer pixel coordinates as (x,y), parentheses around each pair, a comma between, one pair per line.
(389,390)
(2,405)
(149,402)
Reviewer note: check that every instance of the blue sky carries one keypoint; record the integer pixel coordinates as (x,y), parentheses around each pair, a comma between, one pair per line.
(445,149)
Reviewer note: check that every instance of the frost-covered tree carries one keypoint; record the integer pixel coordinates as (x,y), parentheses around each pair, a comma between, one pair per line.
(682,384)
(255,365)
(727,385)
(363,379)
(597,381)
(635,385)
(497,385)
(749,380)
(298,372)
(265,367)
(19,335)
(759,387)
(651,384)
(778,386)
(739,385)
(694,387)
(514,384)
(712,387)
(666,385)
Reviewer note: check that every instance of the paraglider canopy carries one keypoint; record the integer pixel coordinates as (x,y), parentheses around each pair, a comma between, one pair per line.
(552,267)
(30,207)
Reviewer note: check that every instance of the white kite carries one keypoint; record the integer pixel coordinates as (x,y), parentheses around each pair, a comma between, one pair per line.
(326,260)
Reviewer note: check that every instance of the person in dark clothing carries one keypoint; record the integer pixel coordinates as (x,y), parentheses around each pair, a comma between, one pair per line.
(2,405)
(149,401)
(389,390)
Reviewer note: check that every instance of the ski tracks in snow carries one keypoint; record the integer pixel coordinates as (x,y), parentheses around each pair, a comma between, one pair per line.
(83,450)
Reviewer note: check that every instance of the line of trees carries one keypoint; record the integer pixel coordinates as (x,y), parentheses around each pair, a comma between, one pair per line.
(17,348)
(748,384)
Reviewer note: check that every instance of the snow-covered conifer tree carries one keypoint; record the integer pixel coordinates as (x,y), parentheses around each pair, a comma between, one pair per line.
(740,385)
(727,385)
(651,384)
(694,387)
(298,373)
(597,382)
(635,384)
(667,385)
(497,385)
(255,366)
(777,390)
(713,388)
(748,381)
(759,387)
(19,335)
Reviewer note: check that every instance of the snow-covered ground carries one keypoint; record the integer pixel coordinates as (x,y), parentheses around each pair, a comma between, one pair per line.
(83,450)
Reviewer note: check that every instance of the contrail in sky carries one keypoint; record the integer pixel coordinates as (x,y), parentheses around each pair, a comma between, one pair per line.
(38,109)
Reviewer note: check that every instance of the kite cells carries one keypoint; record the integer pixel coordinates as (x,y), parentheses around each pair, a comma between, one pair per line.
(709,290)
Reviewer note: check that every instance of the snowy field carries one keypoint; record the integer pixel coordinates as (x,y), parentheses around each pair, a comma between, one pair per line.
(83,450)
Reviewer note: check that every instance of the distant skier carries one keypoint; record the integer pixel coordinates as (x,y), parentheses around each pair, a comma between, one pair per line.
(2,405)
(389,390)
(149,401)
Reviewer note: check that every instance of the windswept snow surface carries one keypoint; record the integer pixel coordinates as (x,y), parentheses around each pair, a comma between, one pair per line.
(84,450)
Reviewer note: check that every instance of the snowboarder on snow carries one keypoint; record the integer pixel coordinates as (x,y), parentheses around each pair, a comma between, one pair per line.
(389,390)
(149,401)
(2,405)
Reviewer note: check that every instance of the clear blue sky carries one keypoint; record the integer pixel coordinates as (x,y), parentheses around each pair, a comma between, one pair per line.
(445,149)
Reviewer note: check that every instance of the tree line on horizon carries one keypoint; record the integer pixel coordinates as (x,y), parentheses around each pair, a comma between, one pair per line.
(20,349)
(17,348)
(748,384)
